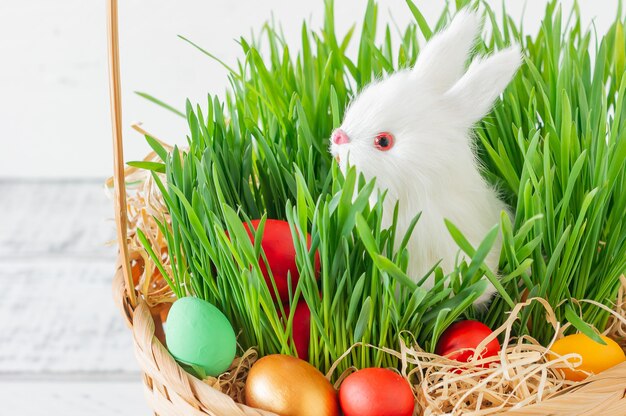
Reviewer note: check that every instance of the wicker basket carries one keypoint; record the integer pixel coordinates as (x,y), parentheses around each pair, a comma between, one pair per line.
(171,391)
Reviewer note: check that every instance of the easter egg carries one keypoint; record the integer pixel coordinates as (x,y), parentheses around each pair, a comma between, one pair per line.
(136,269)
(279,249)
(376,392)
(289,386)
(301,328)
(198,334)
(595,356)
(458,341)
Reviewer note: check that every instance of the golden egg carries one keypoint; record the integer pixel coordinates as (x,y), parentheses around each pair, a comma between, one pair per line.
(595,357)
(289,386)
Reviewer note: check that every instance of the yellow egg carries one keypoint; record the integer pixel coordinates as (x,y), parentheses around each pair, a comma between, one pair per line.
(289,386)
(595,357)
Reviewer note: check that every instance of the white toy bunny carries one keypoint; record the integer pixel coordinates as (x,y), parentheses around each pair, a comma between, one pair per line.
(412,132)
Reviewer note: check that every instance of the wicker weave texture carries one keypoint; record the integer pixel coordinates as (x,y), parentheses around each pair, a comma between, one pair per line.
(170,391)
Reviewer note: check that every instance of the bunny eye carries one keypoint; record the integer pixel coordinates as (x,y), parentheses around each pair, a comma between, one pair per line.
(383,141)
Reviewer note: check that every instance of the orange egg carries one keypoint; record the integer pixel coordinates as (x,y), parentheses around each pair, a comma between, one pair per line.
(595,357)
(289,386)
(136,269)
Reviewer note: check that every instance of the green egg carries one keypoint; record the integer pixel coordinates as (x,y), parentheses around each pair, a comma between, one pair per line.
(198,334)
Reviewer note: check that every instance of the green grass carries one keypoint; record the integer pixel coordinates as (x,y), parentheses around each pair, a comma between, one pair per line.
(555,145)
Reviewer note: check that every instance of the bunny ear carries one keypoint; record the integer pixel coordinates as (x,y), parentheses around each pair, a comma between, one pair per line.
(473,95)
(442,60)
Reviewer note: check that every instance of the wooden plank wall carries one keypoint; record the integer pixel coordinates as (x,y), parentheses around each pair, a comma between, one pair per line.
(64,349)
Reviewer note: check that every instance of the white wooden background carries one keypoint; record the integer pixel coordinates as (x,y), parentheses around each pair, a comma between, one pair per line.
(64,349)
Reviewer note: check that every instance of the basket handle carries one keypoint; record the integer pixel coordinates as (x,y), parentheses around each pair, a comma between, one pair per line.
(121,218)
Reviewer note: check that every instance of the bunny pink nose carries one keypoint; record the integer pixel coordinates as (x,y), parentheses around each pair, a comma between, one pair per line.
(340,137)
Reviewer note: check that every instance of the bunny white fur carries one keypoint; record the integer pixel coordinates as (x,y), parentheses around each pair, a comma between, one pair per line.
(430,110)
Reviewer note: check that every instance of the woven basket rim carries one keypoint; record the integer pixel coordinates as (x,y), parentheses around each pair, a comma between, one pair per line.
(166,383)
(170,390)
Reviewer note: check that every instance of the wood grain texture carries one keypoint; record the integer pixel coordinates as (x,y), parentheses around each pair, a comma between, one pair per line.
(64,348)
(72,398)
(55,219)
(58,316)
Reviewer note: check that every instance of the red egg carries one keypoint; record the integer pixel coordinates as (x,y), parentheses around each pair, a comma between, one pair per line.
(301,328)
(376,392)
(281,255)
(460,338)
